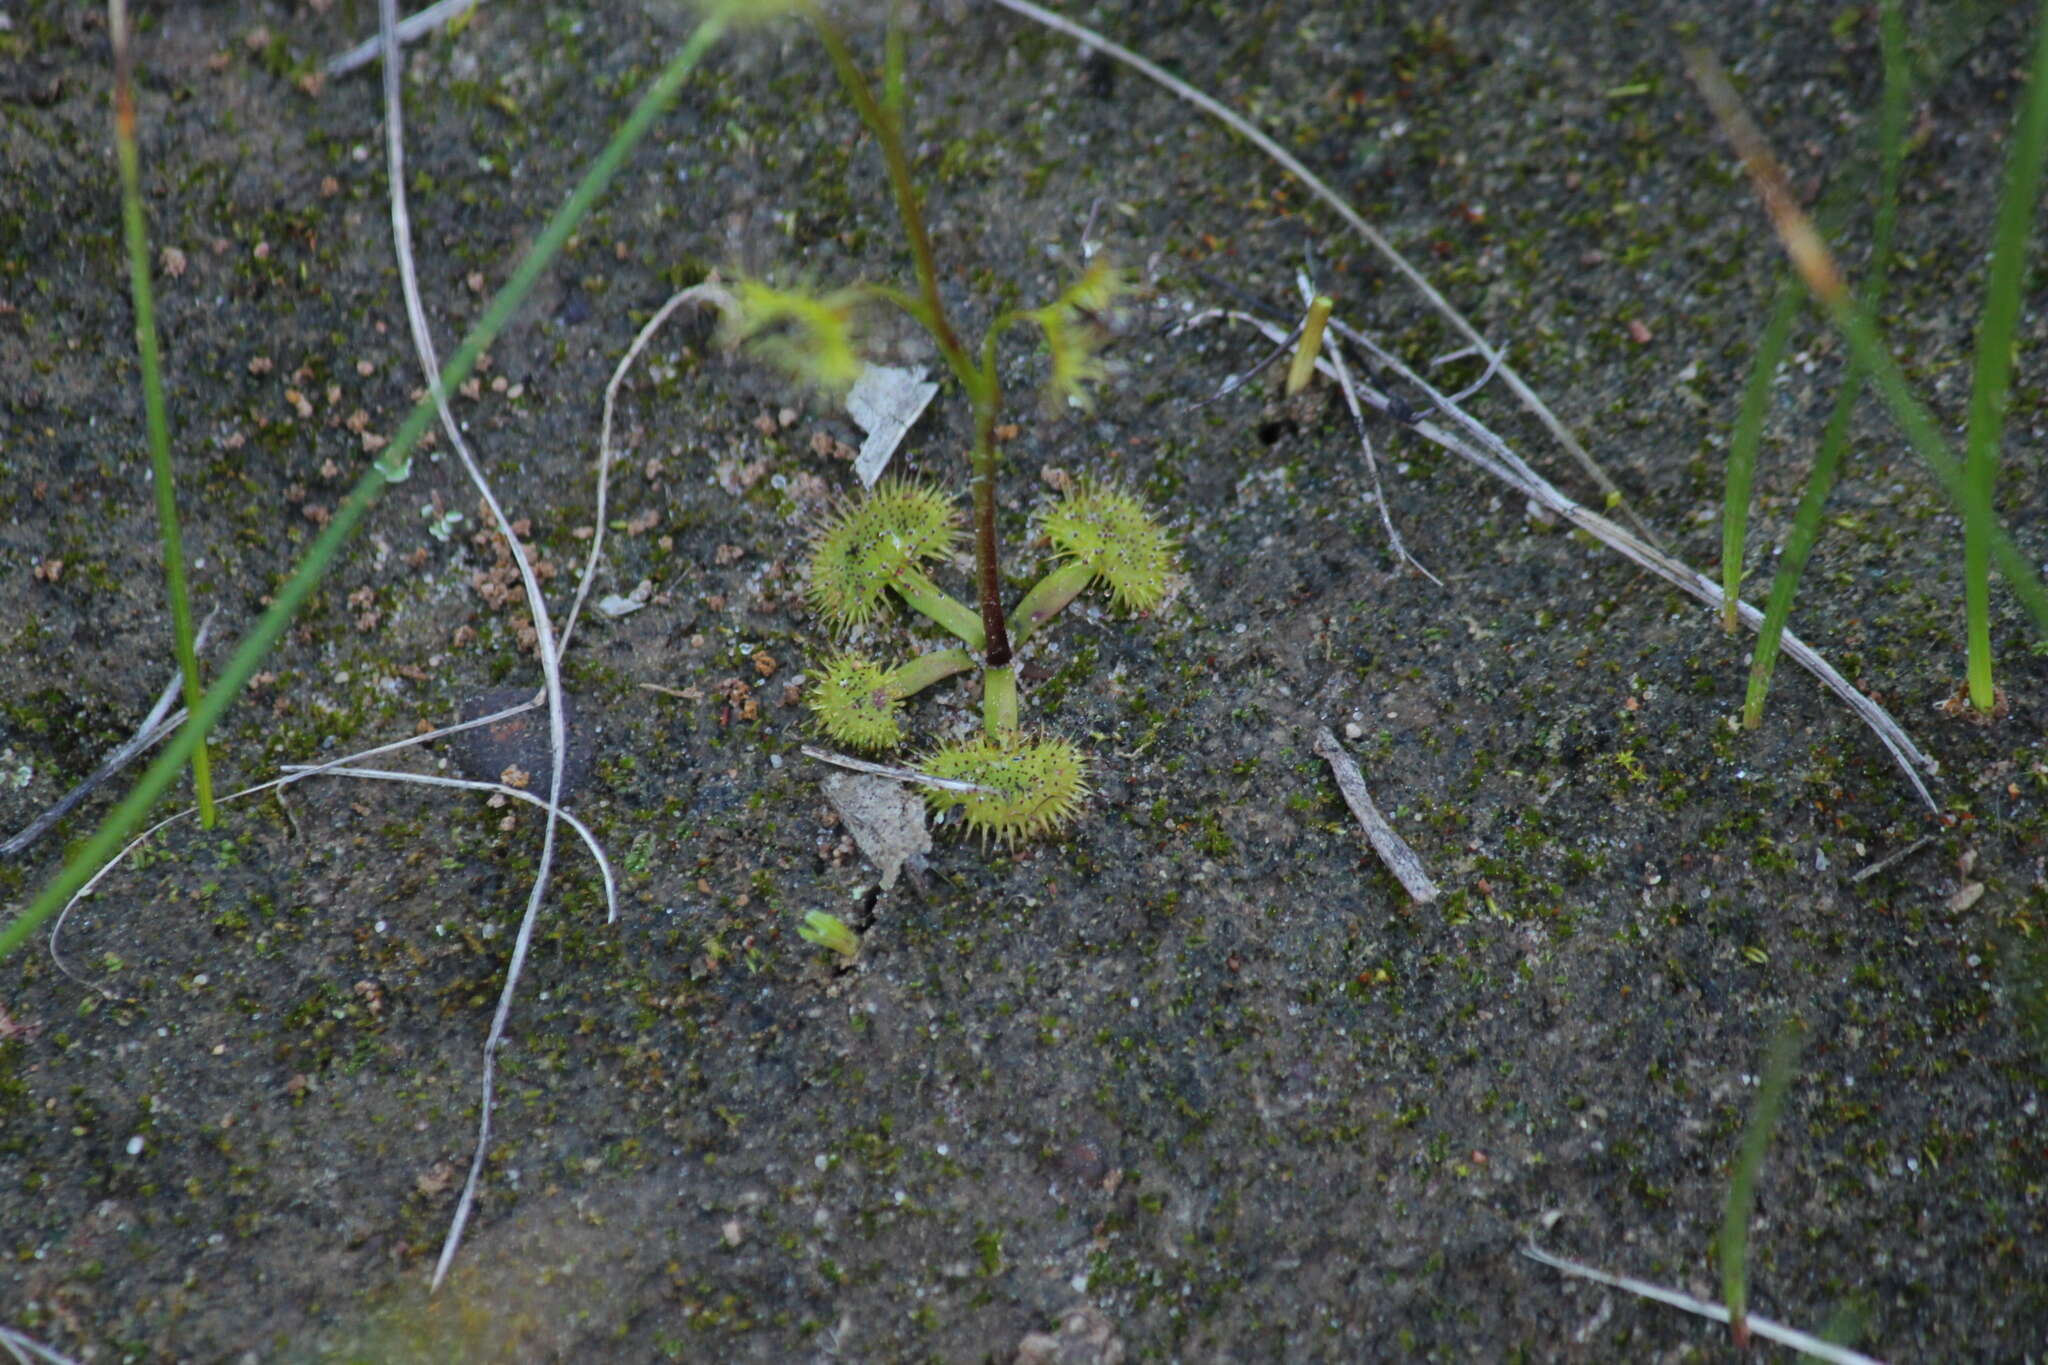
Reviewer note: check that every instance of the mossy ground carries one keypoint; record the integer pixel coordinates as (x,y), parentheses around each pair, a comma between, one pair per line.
(1200,1062)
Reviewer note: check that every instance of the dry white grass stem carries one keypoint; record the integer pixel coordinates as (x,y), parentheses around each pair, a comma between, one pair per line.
(545,643)
(1372,464)
(709,292)
(604,866)
(296,773)
(862,765)
(27,1351)
(1400,859)
(1763,1327)
(434,16)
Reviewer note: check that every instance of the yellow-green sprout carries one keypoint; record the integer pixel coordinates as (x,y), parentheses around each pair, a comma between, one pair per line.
(856,704)
(830,932)
(809,335)
(1037,784)
(1076,325)
(874,542)
(1108,529)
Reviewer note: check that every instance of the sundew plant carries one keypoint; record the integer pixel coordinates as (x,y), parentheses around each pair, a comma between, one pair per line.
(879,552)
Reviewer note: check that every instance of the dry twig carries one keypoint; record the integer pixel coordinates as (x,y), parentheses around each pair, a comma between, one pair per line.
(1392,848)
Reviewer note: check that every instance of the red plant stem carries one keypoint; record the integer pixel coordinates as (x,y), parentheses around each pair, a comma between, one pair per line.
(993,625)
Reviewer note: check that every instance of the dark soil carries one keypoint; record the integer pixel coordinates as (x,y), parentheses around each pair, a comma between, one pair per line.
(1199,1063)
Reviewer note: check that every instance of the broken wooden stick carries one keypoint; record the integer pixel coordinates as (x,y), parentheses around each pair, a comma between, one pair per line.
(1392,848)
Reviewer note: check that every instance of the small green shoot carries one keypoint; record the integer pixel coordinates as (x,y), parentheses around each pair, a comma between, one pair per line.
(1303,366)
(1777,1075)
(830,933)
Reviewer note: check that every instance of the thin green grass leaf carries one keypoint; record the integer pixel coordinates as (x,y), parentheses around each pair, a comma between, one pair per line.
(136,234)
(2003,289)
(249,655)
(1742,1180)
(1743,443)
(1834,444)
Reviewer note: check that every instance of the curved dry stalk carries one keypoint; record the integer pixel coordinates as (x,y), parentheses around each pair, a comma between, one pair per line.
(545,643)
(1238,124)
(706,292)
(1372,463)
(1493,455)
(604,866)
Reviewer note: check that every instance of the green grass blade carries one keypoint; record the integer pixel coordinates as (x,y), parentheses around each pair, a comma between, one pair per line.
(1742,1180)
(1743,443)
(136,234)
(894,102)
(249,655)
(1799,543)
(2002,296)
(1835,442)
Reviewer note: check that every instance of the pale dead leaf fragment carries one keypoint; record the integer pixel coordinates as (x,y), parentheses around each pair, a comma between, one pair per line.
(884,817)
(886,402)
